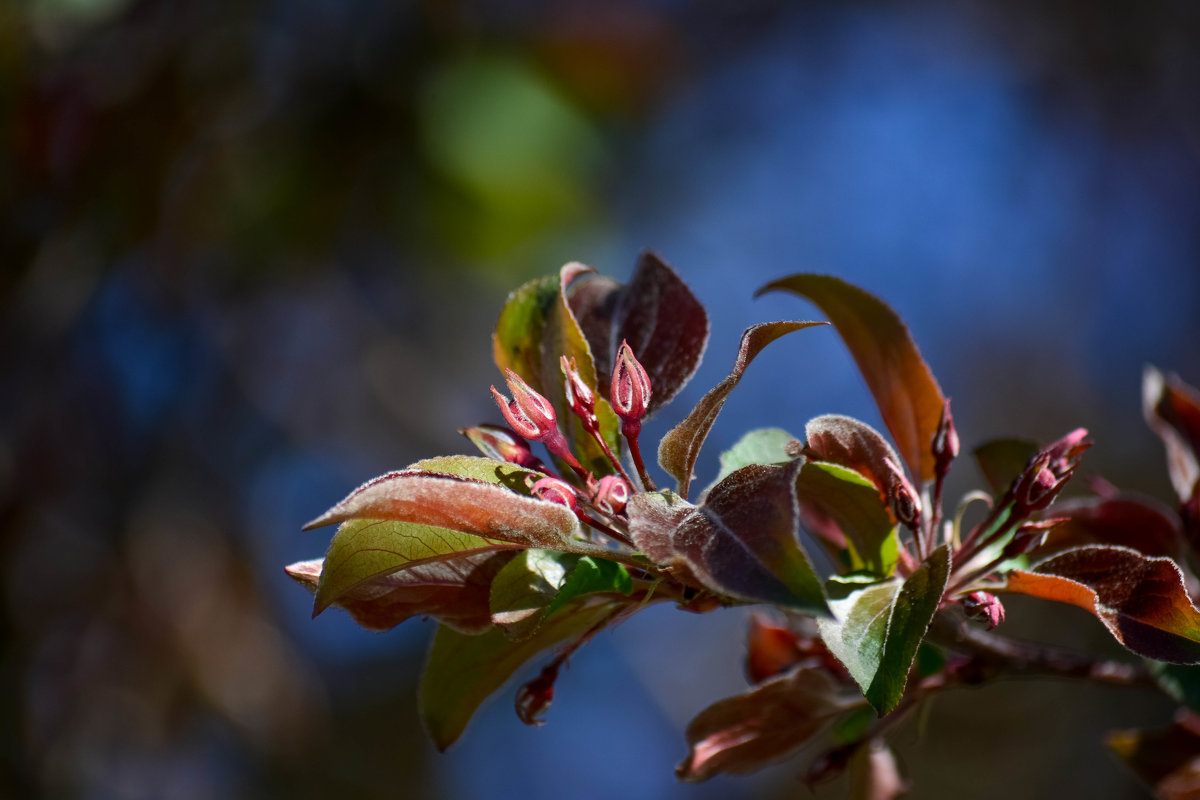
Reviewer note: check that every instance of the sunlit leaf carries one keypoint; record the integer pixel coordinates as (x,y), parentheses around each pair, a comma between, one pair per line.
(454,592)
(656,313)
(905,390)
(678,450)
(855,445)
(742,542)
(1168,761)
(523,589)
(761,446)
(878,626)
(1172,409)
(1142,600)
(463,671)
(747,732)
(852,503)
(1128,521)
(521,330)
(653,520)
(591,574)
(1002,460)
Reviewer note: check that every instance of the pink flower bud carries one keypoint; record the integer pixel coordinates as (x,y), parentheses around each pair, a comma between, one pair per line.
(945,440)
(1030,536)
(612,493)
(528,413)
(555,491)
(579,396)
(498,442)
(902,497)
(985,606)
(630,385)
(535,697)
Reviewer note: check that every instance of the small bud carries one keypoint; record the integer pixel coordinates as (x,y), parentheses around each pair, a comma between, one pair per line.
(611,494)
(555,491)
(535,697)
(945,440)
(984,606)
(1030,536)
(903,497)
(630,385)
(498,442)
(579,396)
(528,413)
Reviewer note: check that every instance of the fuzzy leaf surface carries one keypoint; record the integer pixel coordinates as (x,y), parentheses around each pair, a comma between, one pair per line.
(909,398)
(746,732)
(1142,600)
(855,445)
(678,450)
(454,592)
(656,313)
(761,446)
(463,671)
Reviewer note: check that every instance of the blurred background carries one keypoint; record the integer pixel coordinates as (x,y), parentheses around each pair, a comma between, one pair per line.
(252,253)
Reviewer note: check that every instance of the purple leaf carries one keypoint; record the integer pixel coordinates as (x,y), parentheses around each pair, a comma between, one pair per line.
(856,445)
(678,450)
(1137,523)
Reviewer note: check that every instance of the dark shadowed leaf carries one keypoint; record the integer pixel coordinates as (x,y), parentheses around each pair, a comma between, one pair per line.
(1142,600)
(656,313)
(1172,409)
(744,733)
(463,671)
(1140,524)
(855,445)
(845,499)
(762,446)
(905,390)
(1167,760)
(589,575)
(454,592)
(880,625)
(678,450)
(525,587)
(742,542)
(1002,460)
(1180,681)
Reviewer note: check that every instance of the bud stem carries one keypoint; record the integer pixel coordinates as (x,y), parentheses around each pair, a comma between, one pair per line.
(630,429)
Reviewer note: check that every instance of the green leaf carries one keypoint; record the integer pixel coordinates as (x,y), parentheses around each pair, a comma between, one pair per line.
(1142,600)
(762,446)
(746,732)
(855,725)
(905,390)
(525,587)
(1002,460)
(852,503)
(463,671)
(878,626)
(678,450)
(1180,681)
(521,330)
(591,575)
(656,313)
(742,541)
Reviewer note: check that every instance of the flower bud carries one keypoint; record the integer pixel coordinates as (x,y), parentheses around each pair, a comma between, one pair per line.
(579,395)
(630,385)
(555,491)
(535,697)
(1030,536)
(528,413)
(945,440)
(984,606)
(902,497)
(611,495)
(498,442)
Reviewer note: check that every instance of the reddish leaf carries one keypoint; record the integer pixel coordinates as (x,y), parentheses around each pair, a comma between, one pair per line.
(1172,410)
(906,392)
(678,450)
(653,519)
(770,650)
(454,592)
(1167,760)
(744,733)
(656,313)
(1142,600)
(1127,521)
(742,542)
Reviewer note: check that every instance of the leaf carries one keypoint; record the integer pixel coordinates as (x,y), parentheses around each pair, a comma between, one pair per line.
(747,732)
(1142,600)
(855,445)
(525,587)
(1172,410)
(591,575)
(656,313)
(454,592)
(852,503)
(742,542)
(653,520)
(905,390)
(1002,460)
(1168,761)
(1127,521)
(878,626)
(762,446)
(463,671)
(517,343)
(1179,681)
(678,450)
(770,650)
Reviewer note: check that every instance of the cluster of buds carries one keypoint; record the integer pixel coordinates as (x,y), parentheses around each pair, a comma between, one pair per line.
(984,606)
(1047,472)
